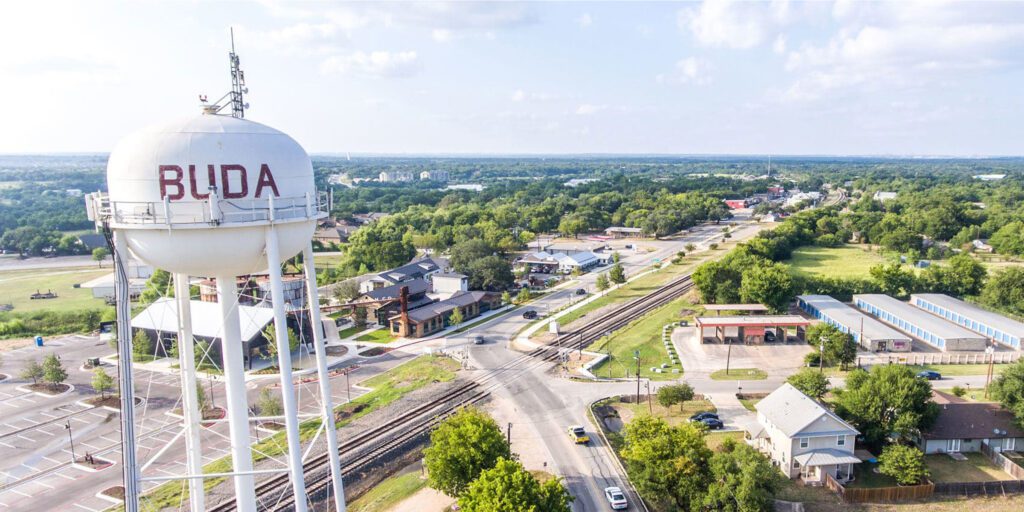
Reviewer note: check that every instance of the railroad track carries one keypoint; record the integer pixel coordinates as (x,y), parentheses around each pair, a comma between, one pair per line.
(584,337)
(364,449)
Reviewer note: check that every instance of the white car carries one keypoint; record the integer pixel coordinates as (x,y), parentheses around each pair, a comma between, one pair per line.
(616,498)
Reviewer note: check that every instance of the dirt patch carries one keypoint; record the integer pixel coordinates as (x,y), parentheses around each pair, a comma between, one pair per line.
(95,463)
(15,344)
(113,401)
(49,389)
(337,350)
(116,492)
(610,417)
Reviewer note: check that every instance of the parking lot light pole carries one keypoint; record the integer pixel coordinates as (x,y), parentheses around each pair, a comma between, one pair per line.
(67,426)
(821,355)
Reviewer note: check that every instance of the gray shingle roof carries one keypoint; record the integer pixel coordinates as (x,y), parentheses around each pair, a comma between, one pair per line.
(392,292)
(792,411)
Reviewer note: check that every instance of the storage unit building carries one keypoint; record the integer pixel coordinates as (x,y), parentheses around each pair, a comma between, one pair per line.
(1003,330)
(868,332)
(939,333)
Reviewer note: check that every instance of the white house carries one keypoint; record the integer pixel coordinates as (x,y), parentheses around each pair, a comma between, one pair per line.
(883,196)
(803,438)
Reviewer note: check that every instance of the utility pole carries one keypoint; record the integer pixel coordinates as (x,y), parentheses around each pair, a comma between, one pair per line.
(67,426)
(728,357)
(636,354)
(508,435)
(991,363)
(348,389)
(821,355)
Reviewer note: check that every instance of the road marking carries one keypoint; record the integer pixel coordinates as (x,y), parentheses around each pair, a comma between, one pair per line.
(15,491)
(62,475)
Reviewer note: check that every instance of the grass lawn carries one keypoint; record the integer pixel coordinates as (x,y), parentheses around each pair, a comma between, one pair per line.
(974,395)
(377,336)
(328,260)
(865,476)
(740,374)
(349,331)
(749,403)
(388,493)
(644,335)
(849,261)
(948,370)
(715,439)
(674,415)
(976,468)
(17,285)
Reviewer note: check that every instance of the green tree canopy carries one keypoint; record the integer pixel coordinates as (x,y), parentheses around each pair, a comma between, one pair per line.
(602,282)
(890,401)
(666,463)
(839,346)
(508,487)
(32,370)
(1008,388)
(462,447)
(742,480)
(102,382)
(903,463)
(810,382)
(53,371)
(672,394)
(617,274)
(269,403)
(767,283)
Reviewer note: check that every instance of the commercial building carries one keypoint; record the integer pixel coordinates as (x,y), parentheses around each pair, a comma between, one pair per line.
(417,269)
(928,328)
(623,232)
(750,329)
(436,316)
(868,332)
(546,263)
(383,303)
(434,175)
(997,327)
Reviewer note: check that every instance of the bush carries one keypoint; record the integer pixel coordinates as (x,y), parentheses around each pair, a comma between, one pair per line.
(959,391)
(50,322)
(903,463)
(674,394)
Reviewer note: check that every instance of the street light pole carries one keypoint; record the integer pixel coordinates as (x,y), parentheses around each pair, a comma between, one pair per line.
(67,426)
(821,355)
(636,355)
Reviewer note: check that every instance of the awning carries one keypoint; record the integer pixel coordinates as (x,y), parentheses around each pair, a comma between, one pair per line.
(826,457)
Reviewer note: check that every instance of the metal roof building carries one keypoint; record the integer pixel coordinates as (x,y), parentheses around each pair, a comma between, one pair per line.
(868,332)
(929,328)
(750,329)
(993,325)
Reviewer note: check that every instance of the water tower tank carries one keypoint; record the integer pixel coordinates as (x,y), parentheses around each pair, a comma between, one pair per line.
(195,196)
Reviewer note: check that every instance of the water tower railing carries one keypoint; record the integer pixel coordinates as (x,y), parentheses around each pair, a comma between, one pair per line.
(230,211)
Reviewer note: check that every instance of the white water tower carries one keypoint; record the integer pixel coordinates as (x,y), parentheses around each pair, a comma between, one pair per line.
(216,196)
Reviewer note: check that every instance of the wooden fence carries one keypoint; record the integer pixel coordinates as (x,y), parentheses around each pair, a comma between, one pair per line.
(997,488)
(879,494)
(922,359)
(1002,462)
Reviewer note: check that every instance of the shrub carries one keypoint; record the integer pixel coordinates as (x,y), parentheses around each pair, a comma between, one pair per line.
(959,391)
(903,463)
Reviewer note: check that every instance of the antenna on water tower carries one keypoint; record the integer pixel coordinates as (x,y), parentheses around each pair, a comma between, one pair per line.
(238,88)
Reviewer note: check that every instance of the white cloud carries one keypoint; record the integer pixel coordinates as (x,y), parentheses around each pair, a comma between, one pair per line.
(725,23)
(690,70)
(378,63)
(779,46)
(521,95)
(441,35)
(587,109)
(585,20)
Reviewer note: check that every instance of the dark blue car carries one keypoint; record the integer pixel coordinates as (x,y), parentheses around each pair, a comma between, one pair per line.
(930,375)
(701,416)
(712,423)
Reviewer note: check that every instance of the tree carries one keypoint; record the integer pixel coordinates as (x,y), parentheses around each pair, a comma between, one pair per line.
(839,346)
(102,382)
(455,319)
(346,291)
(961,276)
(201,400)
(359,317)
(617,274)
(616,257)
(690,247)
(666,462)
(204,355)
(602,283)
(742,480)
(54,373)
(462,447)
(158,285)
(810,382)
(270,333)
(1008,388)
(890,401)
(523,296)
(894,279)
(32,370)
(506,297)
(483,265)
(1005,290)
(508,487)
(768,283)
(675,394)
(142,346)
(903,463)
(99,254)
(269,404)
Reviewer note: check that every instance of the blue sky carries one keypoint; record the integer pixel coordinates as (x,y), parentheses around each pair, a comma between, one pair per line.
(904,78)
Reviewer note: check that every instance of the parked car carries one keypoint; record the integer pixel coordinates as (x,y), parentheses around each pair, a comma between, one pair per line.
(529,314)
(700,416)
(712,423)
(616,498)
(581,291)
(578,434)
(930,375)
(769,337)
(479,340)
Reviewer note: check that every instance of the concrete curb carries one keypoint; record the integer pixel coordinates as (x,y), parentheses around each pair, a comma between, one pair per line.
(615,456)
(25,389)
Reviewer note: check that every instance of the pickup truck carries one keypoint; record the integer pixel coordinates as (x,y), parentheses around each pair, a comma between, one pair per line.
(578,434)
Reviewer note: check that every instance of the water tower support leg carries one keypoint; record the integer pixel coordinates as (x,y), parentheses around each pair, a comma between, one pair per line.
(284,362)
(190,398)
(130,467)
(313,297)
(238,410)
